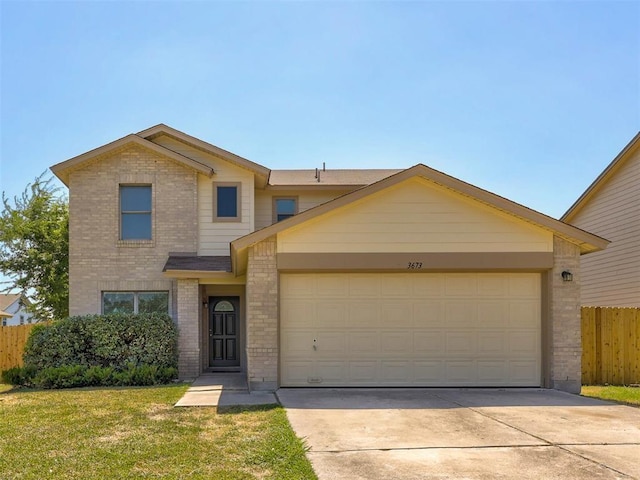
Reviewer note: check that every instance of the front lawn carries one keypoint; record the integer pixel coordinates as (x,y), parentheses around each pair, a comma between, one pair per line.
(119,433)
(628,395)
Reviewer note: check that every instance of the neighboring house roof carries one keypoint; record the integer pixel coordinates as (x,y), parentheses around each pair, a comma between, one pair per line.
(4,314)
(62,170)
(585,240)
(8,299)
(626,153)
(346,178)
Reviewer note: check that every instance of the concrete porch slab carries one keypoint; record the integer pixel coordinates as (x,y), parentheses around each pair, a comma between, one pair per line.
(223,390)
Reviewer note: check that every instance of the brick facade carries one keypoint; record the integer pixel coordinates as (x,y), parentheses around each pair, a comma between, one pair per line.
(98,260)
(262,316)
(189,340)
(565,347)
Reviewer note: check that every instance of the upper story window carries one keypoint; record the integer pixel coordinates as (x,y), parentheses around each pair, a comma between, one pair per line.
(135,212)
(226,202)
(284,207)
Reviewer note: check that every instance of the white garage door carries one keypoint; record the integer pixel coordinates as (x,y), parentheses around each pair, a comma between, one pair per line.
(417,329)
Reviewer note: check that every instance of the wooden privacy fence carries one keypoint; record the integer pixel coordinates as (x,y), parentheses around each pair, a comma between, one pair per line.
(610,345)
(12,341)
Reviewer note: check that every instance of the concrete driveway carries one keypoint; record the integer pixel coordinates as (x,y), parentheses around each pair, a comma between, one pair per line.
(408,434)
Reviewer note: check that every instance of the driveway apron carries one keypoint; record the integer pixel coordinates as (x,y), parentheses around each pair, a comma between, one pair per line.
(409,434)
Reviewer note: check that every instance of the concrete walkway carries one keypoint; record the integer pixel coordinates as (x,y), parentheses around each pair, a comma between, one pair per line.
(223,390)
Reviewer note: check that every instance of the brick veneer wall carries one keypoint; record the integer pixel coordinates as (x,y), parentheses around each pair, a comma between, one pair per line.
(262,316)
(189,328)
(565,348)
(98,261)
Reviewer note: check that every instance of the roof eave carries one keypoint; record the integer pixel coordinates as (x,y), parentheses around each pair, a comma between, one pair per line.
(62,169)
(588,242)
(162,129)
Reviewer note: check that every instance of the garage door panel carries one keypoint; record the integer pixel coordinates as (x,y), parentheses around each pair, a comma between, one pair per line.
(333,287)
(429,372)
(331,372)
(396,286)
(300,312)
(332,313)
(414,329)
(297,342)
(523,373)
(492,314)
(329,343)
(364,286)
(298,372)
(429,314)
(460,313)
(365,343)
(397,371)
(524,342)
(461,372)
(428,286)
(428,343)
(363,372)
(524,313)
(397,314)
(460,285)
(491,343)
(461,343)
(491,372)
(397,343)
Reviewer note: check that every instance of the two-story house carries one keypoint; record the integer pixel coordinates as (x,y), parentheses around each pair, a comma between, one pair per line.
(325,277)
(610,207)
(13,310)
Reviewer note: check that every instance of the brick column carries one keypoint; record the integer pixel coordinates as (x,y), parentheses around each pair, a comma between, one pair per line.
(565,325)
(262,316)
(189,329)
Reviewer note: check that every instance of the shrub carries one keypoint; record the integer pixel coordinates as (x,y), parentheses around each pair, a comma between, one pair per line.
(98,350)
(18,375)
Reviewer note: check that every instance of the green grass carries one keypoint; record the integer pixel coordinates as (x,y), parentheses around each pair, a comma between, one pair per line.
(119,433)
(628,395)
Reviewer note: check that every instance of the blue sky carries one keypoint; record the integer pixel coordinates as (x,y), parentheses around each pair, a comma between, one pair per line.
(530,100)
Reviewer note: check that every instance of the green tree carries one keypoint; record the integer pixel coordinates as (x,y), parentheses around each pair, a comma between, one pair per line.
(34,247)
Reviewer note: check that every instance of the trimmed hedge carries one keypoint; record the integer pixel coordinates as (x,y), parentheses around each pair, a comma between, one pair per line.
(97,350)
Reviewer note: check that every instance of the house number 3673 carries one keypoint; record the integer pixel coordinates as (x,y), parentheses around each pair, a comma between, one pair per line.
(414,265)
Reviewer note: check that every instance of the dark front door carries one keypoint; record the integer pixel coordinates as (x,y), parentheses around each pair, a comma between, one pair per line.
(224,335)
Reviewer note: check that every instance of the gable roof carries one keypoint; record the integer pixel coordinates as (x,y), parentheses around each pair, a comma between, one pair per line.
(587,242)
(162,129)
(62,170)
(603,178)
(8,299)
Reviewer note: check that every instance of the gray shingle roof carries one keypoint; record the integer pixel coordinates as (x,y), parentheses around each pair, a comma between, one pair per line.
(198,263)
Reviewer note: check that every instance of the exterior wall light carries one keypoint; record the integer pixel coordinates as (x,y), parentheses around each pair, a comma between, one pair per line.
(205,304)
(567,276)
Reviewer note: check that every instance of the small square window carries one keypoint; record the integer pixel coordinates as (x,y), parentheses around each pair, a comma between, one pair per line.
(226,202)
(284,208)
(135,212)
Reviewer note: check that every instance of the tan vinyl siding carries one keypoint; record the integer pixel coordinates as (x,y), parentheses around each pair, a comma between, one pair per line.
(214,237)
(612,277)
(306,200)
(411,218)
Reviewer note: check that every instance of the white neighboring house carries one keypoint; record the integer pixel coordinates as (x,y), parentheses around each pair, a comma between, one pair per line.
(13,311)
